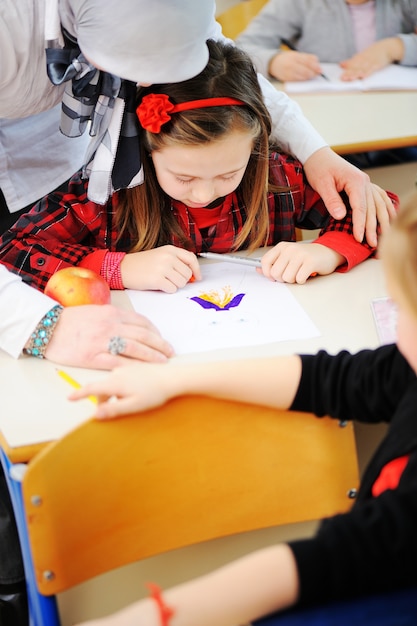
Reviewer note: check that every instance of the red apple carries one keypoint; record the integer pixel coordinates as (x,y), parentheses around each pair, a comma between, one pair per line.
(72,286)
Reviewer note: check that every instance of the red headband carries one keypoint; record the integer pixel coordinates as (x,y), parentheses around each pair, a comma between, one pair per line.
(155,109)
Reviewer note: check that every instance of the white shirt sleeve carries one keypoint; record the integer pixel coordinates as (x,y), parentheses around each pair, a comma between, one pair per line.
(21,308)
(290,127)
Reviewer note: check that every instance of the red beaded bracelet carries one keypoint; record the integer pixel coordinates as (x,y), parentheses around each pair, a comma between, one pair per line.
(165,611)
(110,269)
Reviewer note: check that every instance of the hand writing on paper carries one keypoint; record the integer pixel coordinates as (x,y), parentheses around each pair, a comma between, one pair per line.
(294,66)
(166,268)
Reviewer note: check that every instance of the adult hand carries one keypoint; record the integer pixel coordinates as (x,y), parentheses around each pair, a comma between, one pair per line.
(82,334)
(294,66)
(166,268)
(374,58)
(329,174)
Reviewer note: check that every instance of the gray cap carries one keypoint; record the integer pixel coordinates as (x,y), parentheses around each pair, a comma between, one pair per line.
(146,41)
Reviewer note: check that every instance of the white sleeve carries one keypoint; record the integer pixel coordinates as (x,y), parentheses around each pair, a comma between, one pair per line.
(290,127)
(21,308)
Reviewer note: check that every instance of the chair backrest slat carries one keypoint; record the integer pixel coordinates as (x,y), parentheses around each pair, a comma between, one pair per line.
(113,492)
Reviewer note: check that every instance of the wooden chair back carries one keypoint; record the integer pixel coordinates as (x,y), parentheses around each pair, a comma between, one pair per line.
(234,20)
(113,492)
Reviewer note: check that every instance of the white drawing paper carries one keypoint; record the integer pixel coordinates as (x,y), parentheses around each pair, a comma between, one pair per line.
(390,78)
(265,311)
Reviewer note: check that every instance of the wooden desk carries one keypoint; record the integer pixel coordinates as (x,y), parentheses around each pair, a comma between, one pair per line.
(361,121)
(35,408)
(34,403)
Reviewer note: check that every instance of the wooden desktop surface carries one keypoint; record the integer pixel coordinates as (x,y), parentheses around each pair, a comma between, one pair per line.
(361,121)
(35,408)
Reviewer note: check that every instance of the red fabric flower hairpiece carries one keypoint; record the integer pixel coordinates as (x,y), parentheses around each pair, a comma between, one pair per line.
(155,109)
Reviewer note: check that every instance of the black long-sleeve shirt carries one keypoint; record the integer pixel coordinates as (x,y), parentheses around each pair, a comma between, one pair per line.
(373,547)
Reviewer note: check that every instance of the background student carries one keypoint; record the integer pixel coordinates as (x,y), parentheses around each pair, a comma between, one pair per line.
(349,32)
(341,31)
(211,182)
(370,549)
(400,49)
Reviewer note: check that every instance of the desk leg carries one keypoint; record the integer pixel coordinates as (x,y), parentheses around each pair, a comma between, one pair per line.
(40,607)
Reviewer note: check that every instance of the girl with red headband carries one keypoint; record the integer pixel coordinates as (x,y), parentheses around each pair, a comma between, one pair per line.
(212,182)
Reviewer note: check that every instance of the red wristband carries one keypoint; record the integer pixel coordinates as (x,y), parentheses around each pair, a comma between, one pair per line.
(165,611)
(110,269)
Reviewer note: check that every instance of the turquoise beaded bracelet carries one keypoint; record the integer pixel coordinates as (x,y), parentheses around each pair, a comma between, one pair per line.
(42,334)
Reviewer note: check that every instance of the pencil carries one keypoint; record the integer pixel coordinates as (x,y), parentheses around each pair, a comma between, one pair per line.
(230,258)
(73,383)
(292,47)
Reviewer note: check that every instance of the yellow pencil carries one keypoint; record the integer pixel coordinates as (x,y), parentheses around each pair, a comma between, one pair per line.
(74,383)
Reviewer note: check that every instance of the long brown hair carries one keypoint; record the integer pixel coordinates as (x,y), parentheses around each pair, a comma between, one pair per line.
(399,251)
(145,211)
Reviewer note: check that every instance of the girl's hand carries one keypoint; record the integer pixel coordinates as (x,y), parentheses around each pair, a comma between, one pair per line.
(374,58)
(165,269)
(295,262)
(294,66)
(131,388)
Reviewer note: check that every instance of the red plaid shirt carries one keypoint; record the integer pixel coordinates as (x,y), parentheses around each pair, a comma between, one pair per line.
(68,229)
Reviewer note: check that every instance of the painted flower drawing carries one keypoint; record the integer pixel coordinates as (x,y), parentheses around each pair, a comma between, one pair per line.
(220,300)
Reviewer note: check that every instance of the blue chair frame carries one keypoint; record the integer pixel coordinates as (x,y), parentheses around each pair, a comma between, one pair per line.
(43,610)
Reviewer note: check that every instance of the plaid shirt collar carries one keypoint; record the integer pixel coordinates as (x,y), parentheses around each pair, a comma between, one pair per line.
(221,236)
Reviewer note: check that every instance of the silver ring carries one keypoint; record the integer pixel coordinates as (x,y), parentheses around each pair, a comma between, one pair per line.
(117,345)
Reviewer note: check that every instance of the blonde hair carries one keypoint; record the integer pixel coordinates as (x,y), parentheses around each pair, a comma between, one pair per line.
(399,251)
(144,212)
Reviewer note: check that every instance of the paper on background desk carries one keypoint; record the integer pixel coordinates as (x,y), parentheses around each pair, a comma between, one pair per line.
(385,316)
(267,312)
(390,78)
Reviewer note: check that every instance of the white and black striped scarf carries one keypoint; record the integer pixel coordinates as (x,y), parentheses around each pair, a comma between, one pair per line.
(107,105)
